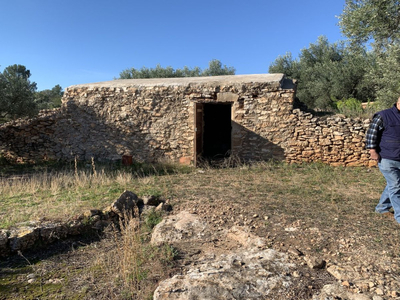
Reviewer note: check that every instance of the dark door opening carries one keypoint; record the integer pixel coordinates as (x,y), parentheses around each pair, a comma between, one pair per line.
(217,130)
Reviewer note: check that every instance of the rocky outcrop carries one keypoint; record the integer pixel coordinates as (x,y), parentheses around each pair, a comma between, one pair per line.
(37,234)
(243,267)
(183,226)
(244,274)
(249,272)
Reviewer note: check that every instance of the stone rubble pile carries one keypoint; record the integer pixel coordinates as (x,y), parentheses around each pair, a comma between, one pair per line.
(36,234)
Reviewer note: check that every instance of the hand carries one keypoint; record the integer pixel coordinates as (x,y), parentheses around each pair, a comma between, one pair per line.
(374,155)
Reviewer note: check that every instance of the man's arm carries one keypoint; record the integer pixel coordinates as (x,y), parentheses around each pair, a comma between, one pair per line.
(373,134)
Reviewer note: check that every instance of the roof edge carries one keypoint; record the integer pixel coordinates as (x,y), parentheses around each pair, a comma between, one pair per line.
(184,81)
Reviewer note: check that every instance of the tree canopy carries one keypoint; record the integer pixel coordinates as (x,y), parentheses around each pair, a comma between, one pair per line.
(328,72)
(48,99)
(365,67)
(377,23)
(215,68)
(17,92)
(19,96)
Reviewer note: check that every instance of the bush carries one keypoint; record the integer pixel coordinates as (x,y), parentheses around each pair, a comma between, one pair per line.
(352,107)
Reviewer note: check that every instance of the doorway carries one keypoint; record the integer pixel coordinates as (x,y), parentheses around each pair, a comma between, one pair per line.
(213,131)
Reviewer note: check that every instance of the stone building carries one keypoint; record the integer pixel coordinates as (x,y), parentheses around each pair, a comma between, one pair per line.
(250,117)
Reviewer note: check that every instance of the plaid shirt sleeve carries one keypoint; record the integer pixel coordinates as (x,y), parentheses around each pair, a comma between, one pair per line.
(373,133)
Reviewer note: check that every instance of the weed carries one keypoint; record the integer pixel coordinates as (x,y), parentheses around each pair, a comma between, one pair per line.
(169,254)
(152,218)
(135,260)
(336,202)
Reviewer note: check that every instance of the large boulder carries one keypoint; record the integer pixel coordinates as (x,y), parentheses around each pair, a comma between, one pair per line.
(183,226)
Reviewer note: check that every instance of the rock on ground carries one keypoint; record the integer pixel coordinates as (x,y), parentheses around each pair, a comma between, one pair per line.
(249,274)
(183,226)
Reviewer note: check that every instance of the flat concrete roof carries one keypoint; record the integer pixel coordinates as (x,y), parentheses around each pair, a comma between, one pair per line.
(210,80)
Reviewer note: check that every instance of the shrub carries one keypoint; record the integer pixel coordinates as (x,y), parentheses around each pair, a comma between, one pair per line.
(353,107)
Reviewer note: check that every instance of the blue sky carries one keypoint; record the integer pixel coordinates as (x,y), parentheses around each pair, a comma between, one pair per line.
(73,42)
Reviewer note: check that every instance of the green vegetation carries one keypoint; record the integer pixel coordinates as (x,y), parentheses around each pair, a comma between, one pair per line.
(17,92)
(48,99)
(18,95)
(152,219)
(61,193)
(371,21)
(329,72)
(365,67)
(374,24)
(337,202)
(215,68)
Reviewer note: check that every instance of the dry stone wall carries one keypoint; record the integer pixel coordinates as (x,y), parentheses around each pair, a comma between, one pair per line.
(154,120)
(335,140)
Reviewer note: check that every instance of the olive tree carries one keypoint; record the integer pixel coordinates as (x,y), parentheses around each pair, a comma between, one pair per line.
(215,68)
(328,72)
(376,23)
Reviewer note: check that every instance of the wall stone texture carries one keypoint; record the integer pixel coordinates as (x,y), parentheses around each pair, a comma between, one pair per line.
(154,120)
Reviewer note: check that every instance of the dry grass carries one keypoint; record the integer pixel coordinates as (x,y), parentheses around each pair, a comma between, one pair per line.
(332,207)
(318,194)
(133,265)
(291,189)
(68,192)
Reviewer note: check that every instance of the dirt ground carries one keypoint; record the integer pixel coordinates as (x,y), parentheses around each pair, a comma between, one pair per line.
(360,249)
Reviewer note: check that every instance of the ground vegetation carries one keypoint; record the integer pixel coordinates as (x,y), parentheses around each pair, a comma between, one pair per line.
(312,209)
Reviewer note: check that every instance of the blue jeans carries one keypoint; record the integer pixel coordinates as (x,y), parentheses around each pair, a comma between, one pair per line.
(390,197)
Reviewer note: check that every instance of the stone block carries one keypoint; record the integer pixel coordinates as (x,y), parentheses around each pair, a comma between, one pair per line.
(185,160)
(23,238)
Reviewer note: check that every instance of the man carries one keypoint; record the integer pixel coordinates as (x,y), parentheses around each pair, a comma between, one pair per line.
(383,142)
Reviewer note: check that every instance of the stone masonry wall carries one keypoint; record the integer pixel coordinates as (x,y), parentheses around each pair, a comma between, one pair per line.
(151,123)
(336,140)
(154,122)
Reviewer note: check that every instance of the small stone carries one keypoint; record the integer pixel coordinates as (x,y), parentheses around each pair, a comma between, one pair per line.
(266,218)
(346,283)
(296,274)
(291,229)
(255,216)
(381,281)
(152,200)
(163,207)
(124,204)
(315,263)
(335,271)
(3,241)
(92,212)
(379,291)
(294,251)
